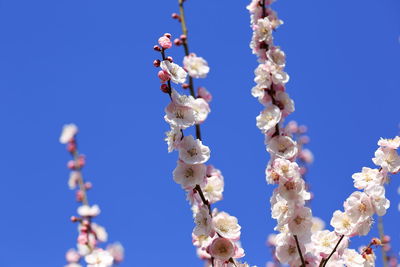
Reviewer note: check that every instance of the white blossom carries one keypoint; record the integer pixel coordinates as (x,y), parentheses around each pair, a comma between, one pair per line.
(227,226)
(268,118)
(222,249)
(214,185)
(388,159)
(367,178)
(101,233)
(189,175)
(89,211)
(378,199)
(282,147)
(352,258)
(300,223)
(173,138)
(342,223)
(176,73)
(324,242)
(390,143)
(203,222)
(358,206)
(196,66)
(68,133)
(99,258)
(192,151)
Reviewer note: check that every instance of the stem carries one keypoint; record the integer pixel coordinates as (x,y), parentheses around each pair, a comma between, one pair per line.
(382,236)
(81,182)
(187,52)
(303,263)
(325,261)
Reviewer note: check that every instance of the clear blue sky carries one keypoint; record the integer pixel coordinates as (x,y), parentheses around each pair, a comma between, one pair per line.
(90,62)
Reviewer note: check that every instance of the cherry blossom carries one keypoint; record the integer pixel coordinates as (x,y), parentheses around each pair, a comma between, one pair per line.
(222,249)
(227,226)
(176,73)
(203,222)
(89,211)
(196,66)
(268,118)
(192,151)
(189,175)
(99,258)
(68,133)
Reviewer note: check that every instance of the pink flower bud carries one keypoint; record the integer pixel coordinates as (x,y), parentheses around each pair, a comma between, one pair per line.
(71,164)
(175,16)
(165,42)
(178,42)
(183,37)
(163,75)
(79,196)
(157,48)
(156,63)
(164,88)
(386,239)
(168,35)
(74,219)
(71,146)
(81,161)
(170,59)
(88,185)
(185,85)
(203,93)
(303,129)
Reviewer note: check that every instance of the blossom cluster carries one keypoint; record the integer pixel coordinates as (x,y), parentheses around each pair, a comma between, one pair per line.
(91,234)
(216,233)
(288,202)
(298,244)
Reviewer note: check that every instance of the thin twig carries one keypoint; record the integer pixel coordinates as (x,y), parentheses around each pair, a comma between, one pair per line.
(325,261)
(187,52)
(303,263)
(382,236)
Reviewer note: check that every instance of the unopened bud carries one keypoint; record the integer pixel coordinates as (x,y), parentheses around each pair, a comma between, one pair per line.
(178,42)
(74,219)
(156,63)
(164,88)
(168,35)
(183,37)
(376,241)
(88,185)
(157,48)
(170,59)
(185,85)
(175,16)
(165,42)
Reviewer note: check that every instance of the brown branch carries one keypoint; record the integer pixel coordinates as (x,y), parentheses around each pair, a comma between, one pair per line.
(382,236)
(187,52)
(325,261)
(303,263)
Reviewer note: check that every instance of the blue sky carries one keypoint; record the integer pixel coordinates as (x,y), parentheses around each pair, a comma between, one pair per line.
(90,62)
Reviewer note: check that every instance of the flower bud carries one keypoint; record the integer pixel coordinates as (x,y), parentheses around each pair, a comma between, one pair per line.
(164,88)
(157,48)
(178,42)
(165,42)
(156,63)
(175,16)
